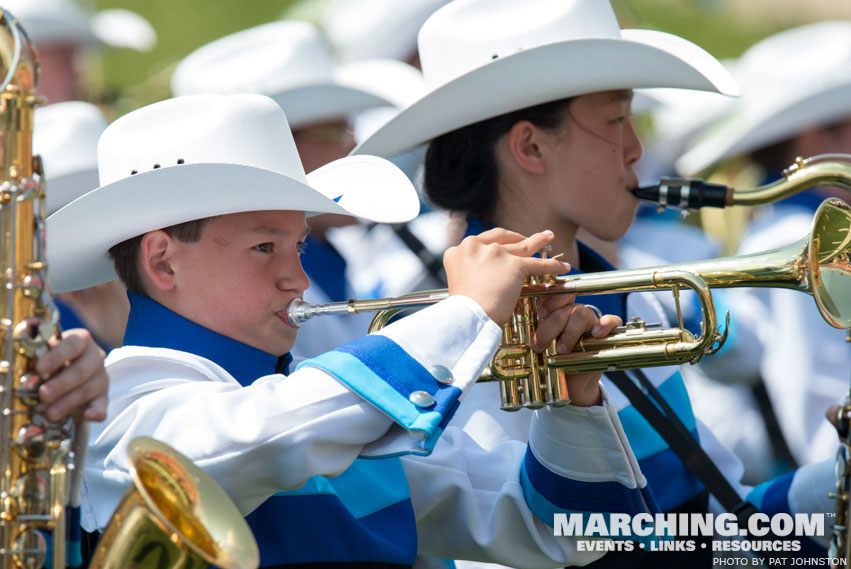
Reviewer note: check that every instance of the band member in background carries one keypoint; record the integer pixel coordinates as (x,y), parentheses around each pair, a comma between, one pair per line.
(67,36)
(528,127)
(65,135)
(785,111)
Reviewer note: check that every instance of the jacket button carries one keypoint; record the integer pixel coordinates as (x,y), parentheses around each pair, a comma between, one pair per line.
(421,398)
(441,374)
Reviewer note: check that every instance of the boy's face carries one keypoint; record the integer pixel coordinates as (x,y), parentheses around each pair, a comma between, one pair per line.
(598,150)
(239,277)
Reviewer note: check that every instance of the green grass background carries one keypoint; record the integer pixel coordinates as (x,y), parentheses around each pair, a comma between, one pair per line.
(125,80)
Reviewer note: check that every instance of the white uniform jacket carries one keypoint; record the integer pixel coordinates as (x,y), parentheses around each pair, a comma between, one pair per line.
(326,440)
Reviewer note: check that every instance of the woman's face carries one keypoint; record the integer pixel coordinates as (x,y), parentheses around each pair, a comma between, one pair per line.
(596,150)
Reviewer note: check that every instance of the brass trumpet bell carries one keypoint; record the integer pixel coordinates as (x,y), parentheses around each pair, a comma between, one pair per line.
(174,516)
(829,262)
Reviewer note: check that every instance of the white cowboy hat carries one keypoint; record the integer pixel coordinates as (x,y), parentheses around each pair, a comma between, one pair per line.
(64,21)
(484,58)
(65,135)
(797,79)
(292,63)
(677,116)
(360,29)
(200,156)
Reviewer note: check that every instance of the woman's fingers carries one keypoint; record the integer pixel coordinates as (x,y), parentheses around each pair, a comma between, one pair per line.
(552,302)
(607,323)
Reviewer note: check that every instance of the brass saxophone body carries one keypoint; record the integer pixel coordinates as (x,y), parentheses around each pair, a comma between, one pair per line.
(839,549)
(35,453)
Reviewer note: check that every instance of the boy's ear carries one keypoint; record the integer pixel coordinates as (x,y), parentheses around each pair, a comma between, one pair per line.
(155,256)
(525,146)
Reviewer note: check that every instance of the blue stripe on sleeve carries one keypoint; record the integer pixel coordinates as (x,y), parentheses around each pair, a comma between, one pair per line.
(771,498)
(380,371)
(643,438)
(670,479)
(547,493)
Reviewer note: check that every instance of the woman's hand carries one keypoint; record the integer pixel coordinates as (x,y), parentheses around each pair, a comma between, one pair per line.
(77,383)
(566,322)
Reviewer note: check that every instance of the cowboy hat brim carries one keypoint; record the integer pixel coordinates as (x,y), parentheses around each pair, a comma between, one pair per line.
(80,234)
(65,187)
(639,59)
(353,87)
(756,126)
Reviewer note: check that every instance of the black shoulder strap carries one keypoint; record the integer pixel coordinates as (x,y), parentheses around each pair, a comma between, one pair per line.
(662,418)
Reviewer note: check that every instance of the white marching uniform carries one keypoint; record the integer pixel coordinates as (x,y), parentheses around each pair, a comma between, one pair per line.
(343,437)
(805,363)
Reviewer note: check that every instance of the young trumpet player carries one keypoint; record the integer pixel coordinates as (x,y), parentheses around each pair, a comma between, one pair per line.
(554,147)
(345,459)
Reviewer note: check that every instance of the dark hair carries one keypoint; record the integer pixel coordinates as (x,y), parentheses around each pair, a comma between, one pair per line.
(125,255)
(775,157)
(460,166)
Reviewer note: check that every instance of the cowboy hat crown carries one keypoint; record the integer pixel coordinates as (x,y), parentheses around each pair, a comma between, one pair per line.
(201,156)
(292,62)
(485,58)
(796,79)
(65,135)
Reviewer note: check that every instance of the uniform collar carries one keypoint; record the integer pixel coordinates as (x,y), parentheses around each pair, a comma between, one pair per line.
(153,325)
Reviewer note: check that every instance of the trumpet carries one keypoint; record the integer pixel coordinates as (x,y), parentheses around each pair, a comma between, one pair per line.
(819,264)
(692,193)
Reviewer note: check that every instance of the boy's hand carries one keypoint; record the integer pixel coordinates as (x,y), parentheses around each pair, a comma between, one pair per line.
(77,383)
(561,318)
(490,268)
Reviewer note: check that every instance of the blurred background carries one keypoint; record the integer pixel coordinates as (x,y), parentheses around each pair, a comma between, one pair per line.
(126,79)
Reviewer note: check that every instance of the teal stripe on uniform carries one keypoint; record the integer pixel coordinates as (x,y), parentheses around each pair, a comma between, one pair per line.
(643,438)
(366,487)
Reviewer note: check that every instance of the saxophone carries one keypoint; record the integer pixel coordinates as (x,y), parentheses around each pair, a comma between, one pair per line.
(35,454)
(840,544)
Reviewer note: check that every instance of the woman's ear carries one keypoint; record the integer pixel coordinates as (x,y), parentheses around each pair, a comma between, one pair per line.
(155,255)
(525,146)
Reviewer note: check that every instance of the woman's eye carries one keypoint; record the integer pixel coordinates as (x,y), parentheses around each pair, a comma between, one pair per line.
(264,247)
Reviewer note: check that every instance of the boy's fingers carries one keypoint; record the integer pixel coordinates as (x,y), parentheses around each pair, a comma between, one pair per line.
(500,235)
(530,245)
(539,267)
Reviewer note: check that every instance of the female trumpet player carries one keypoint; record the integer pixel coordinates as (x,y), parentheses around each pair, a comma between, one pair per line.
(534,131)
